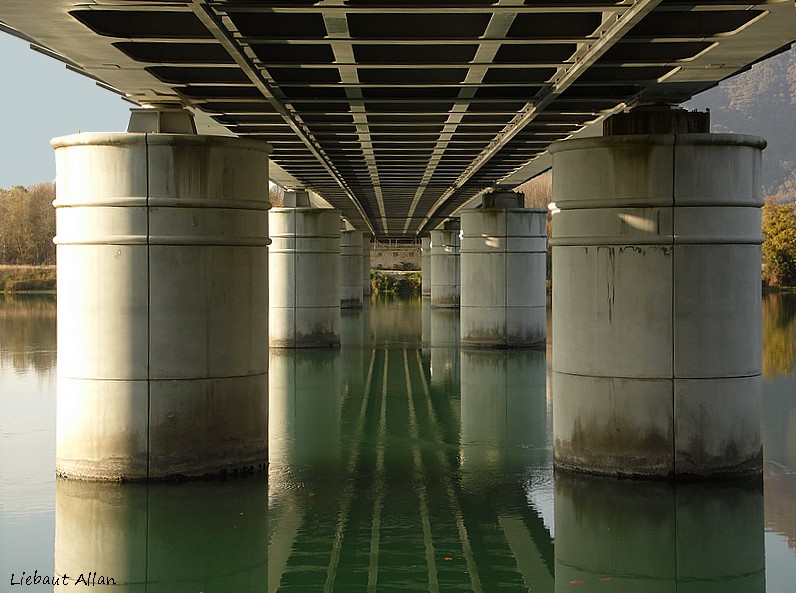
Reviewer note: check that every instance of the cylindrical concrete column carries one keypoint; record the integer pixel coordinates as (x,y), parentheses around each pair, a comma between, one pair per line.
(304,277)
(656,304)
(366,288)
(351,269)
(445,276)
(425,266)
(633,535)
(503,270)
(162,305)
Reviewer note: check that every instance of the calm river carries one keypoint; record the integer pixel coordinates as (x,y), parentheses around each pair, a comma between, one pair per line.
(398,463)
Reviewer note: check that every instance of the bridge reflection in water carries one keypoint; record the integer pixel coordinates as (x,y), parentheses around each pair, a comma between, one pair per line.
(401,463)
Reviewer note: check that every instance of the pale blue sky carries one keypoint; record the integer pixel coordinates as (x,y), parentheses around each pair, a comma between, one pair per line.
(39,100)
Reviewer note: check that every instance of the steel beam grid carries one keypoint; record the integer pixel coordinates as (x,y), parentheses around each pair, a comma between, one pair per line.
(399,113)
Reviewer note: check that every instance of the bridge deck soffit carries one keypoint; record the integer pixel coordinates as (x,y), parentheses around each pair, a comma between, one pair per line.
(398,114)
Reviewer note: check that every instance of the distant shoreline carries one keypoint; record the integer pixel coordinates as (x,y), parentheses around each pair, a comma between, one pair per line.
(27,279)
(42,280)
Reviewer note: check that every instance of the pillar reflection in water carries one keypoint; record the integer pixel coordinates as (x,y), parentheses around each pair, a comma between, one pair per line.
(655,537)
(504,412)
(502,451)
(425,335)
(444,332)
(197,536)
(395,514)
(396,323)
(444,366)
(354,344)
(304,411)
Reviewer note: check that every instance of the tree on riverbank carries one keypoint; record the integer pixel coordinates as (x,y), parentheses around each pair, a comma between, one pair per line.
(27,225)
(779,246)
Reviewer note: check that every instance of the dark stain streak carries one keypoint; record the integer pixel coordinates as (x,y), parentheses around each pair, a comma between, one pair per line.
(611,286)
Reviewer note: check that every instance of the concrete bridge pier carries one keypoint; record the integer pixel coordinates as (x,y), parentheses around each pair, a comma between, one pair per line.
(351,275)
(444,259)
(425,267)
(366,264)
(656,300)
(162,298)
(304,274)
(503,271)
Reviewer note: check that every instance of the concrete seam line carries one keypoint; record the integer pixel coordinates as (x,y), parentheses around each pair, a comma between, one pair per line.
(148,318)
(673,311)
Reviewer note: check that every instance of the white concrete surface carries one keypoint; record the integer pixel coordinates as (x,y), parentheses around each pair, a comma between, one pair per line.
(351,269)
(162,305)
(445,270)
(425,266)
(656,305)
(304,277)
(366,287)
(503,273)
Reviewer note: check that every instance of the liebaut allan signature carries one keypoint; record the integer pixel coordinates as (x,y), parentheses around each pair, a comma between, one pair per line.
(88,579)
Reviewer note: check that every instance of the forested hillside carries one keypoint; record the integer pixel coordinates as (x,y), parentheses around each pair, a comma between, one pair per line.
(762,102)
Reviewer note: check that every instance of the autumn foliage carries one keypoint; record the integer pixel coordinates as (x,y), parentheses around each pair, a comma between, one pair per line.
(779,246)
(27,225)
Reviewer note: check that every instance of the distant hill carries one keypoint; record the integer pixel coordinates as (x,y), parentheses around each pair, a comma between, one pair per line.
(761,102)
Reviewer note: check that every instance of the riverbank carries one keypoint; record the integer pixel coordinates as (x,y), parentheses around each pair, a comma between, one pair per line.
(396,282)
(779,289)
(20,279)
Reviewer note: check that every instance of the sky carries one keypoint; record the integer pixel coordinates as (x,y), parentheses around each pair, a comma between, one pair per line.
(39,100)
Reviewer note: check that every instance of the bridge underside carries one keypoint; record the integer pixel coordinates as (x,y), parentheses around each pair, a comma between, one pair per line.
(398,113)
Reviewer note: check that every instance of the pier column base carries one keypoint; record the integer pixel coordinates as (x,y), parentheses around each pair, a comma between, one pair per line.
(162,305)
(657,305)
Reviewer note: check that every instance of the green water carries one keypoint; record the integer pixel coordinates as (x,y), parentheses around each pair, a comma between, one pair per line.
(398,463)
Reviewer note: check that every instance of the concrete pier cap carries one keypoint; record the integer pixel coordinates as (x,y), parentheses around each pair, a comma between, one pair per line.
(161,119)
(162,252)
(657,304)
(296,199)
(503,272)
